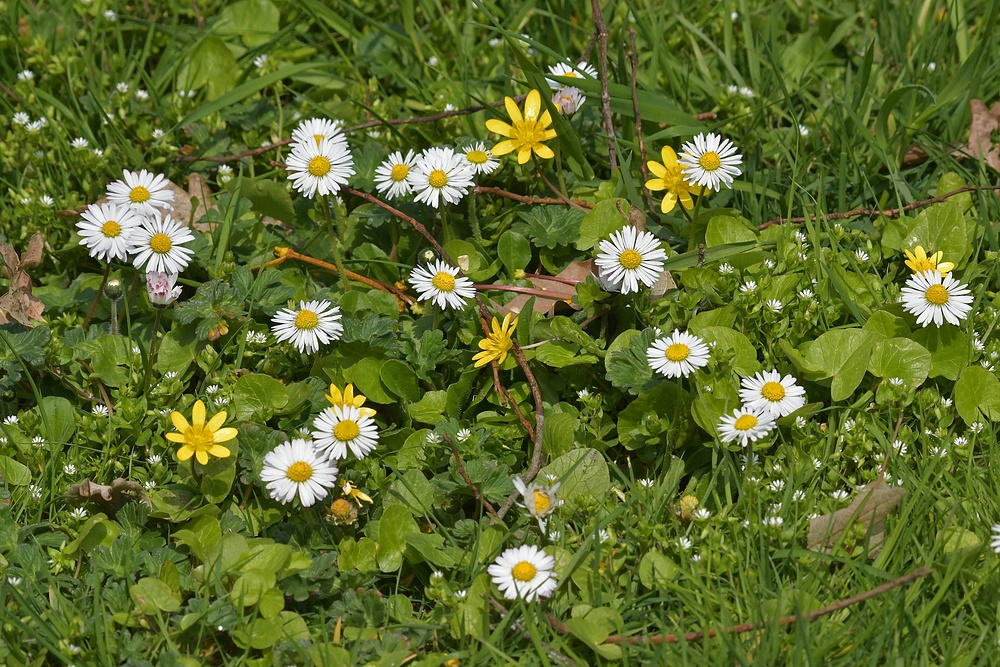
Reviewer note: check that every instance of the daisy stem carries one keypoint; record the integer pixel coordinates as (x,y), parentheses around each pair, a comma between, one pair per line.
(152,347)
(474,218)
(559,170)
(694,230)
(335,240)
(114,317)
(100,293)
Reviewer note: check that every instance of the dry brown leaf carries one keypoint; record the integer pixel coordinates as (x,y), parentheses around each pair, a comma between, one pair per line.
(871,504)
(984,123)
(18,304)
(577,271)
(663,283)
(110,498)
(183,209)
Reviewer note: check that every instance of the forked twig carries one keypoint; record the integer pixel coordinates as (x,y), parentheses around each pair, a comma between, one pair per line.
(601,28)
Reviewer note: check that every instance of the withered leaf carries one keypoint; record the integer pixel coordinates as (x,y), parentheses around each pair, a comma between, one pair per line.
(18,304)
(871,504)
(575,271)
(110,498)
(984,123)
(663,283)
(188,212)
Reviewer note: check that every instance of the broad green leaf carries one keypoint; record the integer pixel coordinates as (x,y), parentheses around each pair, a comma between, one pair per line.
(253,21)
(583,476)
(58,419)
(430,408)
(14,472)
(211,65)
(560,354)
(940,227)
(841,354)
(432,549)
(416,492)
(977,395)
(886,325)
(218,475)
(949,350)
(657,571)
(731,344)
(269,197)
(626,363)
(606,217)
(249,586)
(151,596)
(723,229)
(900,358)
(366,375)
(256,396)
(356,555)
(514,251)
(400,380)
(651,416)
(110,356)
(395,525)
(559,433)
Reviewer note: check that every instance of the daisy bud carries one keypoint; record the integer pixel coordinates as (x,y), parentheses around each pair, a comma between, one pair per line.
(113,290)
(160,288)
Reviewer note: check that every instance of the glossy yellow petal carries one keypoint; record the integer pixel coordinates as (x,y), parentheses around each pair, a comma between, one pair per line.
(500,127)
(216,421)
(512,326)
(335,397)
(201,456)
(546,119)
(549,134)
(656,184)
(669,157)
(495,325)
(180,423)
(198,414)
(219,452)
(485,344)
(945,267)
(503,356)
(175,437)
(909,256)
(503,147)
(523,153)
(686,201)
(669,202)
(184,453)
(224,434)
(349,395)
(532,105)
(543,151)
(482,359)
(656,169)
(368,411)
(512,110)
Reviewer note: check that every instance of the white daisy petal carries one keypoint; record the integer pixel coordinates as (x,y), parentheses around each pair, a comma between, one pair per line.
(394,177)
(296,467)
(441,176)
(158,244)
(771,393)
(315,130)
(630,257)
(710,161)
(677,355)
(441,284)
(525,572)
(107,229)
(745,425)
(321,168)
(144,192)
(932,297)
(344,428)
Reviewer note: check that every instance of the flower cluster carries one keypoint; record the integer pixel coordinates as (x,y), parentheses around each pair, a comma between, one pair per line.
(320,161)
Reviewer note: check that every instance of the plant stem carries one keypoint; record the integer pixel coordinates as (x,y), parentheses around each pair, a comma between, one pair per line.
(334,241)
(559,171)
(114,317)
(152,347)
(474,218)
(100,293)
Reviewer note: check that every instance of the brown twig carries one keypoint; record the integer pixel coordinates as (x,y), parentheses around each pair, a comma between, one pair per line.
(515,288)
(512,402)
(705,115)
(888,213)
(468,482)
(416,224)
(749,627)
(555,279)
(638,125)
(566,200)
(524,199)
(601,28)
(417,120)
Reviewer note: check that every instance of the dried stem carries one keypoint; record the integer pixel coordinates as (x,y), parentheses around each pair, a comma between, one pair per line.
(515,288)
(416,224)
(524,199)
(888,213)
(468,482)
(601,29)
(638,125)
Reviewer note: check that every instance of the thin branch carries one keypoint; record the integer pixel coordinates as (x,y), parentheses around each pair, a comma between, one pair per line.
(519,290)
(524,199)
(416,224)
(643,640)
(888,213)
(601,28)
(555,279)
(468,482)
(558,193)
(638,125)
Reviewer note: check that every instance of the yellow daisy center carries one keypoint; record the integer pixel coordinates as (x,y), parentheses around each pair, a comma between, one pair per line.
(542,502)
(340,508)
(937,294)
(773,391)
(346,430)
(524,571)
(444,281)
(745,423)
(306,319)
(709,161)
(571,74)
(299,472)
(319,166)
(139,194)
(161,244)
(438,179)
(399,172)
(111,229)
(677,352)
(630,259)
(319,138)
(477,157)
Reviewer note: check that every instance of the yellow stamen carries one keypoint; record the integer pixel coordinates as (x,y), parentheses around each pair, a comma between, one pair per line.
(444,281)
(319,166)
(677,352)
(524,571)
(111,229)
(299,472)
(139,194)
(709,161)
(773,391)
(745,423)
(438,179)
(161,244)
(346,430)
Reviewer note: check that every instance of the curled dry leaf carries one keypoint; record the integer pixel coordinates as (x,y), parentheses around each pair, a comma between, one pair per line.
(189,212)
(871,504)
(575,271)
(984,123)
(18,304)
(110,498)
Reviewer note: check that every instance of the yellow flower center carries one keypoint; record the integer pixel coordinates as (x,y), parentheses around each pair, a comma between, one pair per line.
(399,172)
(677,352)
(709,161)
(161,244)
(529,132)
(542,502)
(340,508)
(199,438)
(773,391)
(444,281)
(306,319)
(921,265)
(438,179)
(346,430)
(299,472)
(139,194)
(319,138)
(319,166)
(937,294)
(630,259)
(524,571)
(111,229)
(477,157)
(745,423)
(570,74)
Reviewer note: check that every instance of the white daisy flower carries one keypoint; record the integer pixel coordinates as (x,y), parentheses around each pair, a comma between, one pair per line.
(433,439)
(931,66)
(14,581)
(803,130)
(110,15)
(35,491)
(932,297)
(461,594)
(21,118)
(710,161)
(10,420)
(394,177)
(38,441)
(806,294)
(631,257)
(315,323)
(296,468)
(432,61)
(524,572)
(976,427)
(583,394)
(480,159)
(799,495)
(960,441)
(157,133)
(170,375)
(144,191)
(441,284)
(437,575)
(539,500)
(701,514)
(565,69)
(568,100)
(441,176)
(98,152)
(106,230)
(158,244)
(122,87)
(745,425)
(849,425)
(677,355)
(861,255)
(80,143)
(777,485)
(897,382)
(726,268)
(494,42)
(321,168)
(100,410)
(769,391)
(344,427)
(314,130)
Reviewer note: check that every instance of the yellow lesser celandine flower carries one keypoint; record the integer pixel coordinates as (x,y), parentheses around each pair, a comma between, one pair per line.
(348,398)
(356,493)
(199,439)
(919,261)
(524,133)
(669,177)
(497,343)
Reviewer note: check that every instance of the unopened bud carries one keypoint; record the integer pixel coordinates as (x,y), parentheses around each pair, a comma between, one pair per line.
(428,256)
(113,290)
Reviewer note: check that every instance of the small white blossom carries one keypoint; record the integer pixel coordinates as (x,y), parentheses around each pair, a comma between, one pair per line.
(839,495)
(25,75)
(69,469)
(776,485)
(774,305)
(684,543)
(774,521)
(748,286)
(726,268)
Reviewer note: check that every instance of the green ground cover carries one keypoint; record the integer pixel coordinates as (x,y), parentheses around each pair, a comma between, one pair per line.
(731,405)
